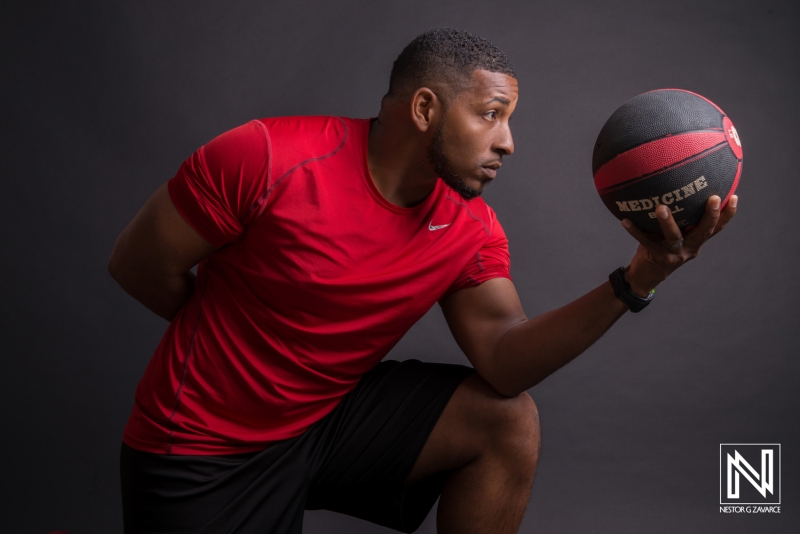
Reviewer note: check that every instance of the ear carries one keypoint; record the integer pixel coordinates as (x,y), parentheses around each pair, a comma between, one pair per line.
(426,109)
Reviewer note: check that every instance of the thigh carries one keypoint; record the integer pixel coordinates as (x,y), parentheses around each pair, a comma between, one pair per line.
(476,420)
(373,439)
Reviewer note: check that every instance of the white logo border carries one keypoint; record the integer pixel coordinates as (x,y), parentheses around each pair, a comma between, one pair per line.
(780,478)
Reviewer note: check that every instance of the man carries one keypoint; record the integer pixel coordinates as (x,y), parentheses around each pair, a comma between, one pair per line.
(320,241)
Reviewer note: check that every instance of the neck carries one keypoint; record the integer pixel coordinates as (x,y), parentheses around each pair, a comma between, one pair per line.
(398,162)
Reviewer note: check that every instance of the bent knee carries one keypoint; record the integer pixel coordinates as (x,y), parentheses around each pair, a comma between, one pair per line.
(522,419)
(499,422)
(513,422)
(516,442)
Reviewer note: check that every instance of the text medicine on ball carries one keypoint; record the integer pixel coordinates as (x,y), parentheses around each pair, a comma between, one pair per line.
(667,199)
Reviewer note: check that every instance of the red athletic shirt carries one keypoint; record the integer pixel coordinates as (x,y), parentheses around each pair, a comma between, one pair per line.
(317,277)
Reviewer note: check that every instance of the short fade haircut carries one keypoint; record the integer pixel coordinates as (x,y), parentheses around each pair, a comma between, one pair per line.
(445,58)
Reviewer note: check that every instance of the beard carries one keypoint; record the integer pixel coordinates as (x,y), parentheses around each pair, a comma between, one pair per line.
(443,168)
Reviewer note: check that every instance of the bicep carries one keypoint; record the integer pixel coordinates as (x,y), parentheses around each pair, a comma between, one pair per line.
(479,316)
(158,240)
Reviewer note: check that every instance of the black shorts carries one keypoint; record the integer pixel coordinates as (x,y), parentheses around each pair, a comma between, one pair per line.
(354,461)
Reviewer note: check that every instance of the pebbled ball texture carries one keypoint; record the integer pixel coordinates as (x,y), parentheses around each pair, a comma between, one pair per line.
(670,147)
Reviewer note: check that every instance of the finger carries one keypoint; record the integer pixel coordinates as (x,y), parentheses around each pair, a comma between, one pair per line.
(638,234)
(727,214)
(705,228)
(649,241)
(673,238)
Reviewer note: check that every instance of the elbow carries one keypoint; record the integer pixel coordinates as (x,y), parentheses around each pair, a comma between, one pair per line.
(501,369)
(116,262)
(501,383)
(507,389)
(113,265)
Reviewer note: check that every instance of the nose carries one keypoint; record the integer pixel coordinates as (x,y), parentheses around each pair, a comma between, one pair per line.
(504,144)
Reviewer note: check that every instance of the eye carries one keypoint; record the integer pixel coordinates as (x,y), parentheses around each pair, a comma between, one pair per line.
(491,115)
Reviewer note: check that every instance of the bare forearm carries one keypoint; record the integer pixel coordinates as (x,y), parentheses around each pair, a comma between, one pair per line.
(135,265)
(532,350)
(162,294)
(513,353)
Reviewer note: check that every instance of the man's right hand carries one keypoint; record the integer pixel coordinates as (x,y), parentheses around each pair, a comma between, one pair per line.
(657,257)
(154,254)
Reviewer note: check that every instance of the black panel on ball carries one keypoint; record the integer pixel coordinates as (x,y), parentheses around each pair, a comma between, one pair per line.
(650,116)
(695,182)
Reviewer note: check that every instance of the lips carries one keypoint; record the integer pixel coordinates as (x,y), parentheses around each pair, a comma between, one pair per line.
(491,170)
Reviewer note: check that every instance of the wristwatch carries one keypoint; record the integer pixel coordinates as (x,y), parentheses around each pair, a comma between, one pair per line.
(623,291)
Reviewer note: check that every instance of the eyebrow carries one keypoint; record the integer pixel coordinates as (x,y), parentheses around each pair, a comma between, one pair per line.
(506,102)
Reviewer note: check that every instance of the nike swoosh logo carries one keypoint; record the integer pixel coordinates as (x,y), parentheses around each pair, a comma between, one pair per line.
(431,227)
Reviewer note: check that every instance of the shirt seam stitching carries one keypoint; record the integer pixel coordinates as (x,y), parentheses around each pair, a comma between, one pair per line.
(469,212)
(260,204)
(189,354)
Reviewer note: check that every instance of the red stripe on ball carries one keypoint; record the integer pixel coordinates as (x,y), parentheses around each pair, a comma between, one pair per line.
(655,156)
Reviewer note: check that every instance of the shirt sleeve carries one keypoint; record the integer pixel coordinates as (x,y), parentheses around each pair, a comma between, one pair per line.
(216,189)
(491,261)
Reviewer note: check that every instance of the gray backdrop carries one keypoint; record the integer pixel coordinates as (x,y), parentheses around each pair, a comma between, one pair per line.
(101,101)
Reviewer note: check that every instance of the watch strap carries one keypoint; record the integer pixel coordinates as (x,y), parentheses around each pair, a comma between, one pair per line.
(623,291)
